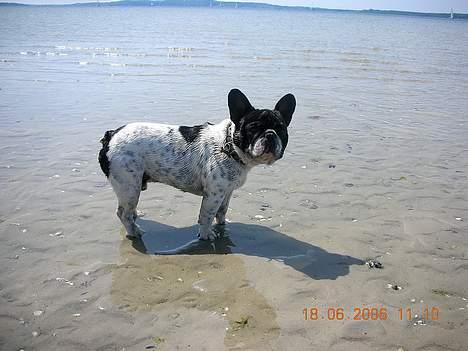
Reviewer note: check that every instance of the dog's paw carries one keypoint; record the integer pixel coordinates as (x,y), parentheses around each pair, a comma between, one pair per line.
(137,234)
(208,235)
(220,221)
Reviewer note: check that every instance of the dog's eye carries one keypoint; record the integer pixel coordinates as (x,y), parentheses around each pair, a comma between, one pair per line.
(253,126)
(281,132)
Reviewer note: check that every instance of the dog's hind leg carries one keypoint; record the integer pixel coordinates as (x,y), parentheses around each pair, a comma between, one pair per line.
(127,187)
(126,212)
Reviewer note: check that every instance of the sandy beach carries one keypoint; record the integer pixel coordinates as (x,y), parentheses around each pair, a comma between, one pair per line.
(300,241)
(375,171)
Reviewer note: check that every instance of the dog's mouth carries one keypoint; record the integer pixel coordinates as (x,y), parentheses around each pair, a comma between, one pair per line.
(267,148)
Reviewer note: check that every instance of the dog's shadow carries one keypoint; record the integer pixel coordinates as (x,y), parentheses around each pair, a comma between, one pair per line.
(246,239)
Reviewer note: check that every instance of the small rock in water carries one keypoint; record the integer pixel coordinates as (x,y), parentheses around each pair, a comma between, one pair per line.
(57,234)
(262,218)
(66,281)
(308,204)
(374,264)
(196,287)
(394,287)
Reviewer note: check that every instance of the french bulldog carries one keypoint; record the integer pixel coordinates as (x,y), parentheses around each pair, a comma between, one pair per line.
(210,160)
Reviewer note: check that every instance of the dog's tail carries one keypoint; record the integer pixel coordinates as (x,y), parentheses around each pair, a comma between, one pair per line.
(103,160)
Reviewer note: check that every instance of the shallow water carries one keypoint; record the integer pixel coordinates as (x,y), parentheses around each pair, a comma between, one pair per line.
(376,167)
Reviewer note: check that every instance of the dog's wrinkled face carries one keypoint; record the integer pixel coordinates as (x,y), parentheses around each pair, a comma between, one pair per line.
(261,135)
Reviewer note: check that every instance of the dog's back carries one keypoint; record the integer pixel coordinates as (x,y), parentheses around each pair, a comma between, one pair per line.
(175,155)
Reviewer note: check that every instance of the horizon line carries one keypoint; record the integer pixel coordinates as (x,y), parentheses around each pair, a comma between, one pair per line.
(243,4)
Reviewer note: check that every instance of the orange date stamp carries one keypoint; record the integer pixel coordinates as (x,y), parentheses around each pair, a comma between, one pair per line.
(370,314)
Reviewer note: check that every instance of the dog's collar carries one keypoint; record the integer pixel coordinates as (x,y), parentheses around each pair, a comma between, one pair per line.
(228,147)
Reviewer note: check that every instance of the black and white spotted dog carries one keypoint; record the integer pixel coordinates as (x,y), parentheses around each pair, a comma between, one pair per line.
(210,160)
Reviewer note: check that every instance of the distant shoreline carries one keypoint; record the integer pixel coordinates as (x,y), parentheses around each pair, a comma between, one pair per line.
(237,5)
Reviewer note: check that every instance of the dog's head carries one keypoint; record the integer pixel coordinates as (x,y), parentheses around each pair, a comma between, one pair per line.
(261,135)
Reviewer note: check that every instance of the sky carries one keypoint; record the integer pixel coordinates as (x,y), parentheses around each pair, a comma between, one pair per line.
(404,5)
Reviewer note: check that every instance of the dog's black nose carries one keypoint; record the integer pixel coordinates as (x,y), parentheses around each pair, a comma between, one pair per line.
(270,143)
(269,134)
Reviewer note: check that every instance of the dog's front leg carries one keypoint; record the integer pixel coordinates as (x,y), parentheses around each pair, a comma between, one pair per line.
(210,205)
(221,214)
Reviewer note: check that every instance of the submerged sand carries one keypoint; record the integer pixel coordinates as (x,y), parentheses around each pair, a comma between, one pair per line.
(296,240)
(375,169)
(246,291)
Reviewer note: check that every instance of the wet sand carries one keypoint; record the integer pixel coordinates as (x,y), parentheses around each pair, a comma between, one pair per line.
(246,291)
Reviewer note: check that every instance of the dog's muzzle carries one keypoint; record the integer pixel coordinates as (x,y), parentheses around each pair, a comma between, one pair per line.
(267,148)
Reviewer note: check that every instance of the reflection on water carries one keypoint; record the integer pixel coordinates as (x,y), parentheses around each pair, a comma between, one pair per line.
(215,283)
(211,276)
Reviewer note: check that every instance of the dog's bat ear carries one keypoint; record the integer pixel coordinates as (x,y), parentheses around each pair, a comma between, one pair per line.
(286,106)
(239,105)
